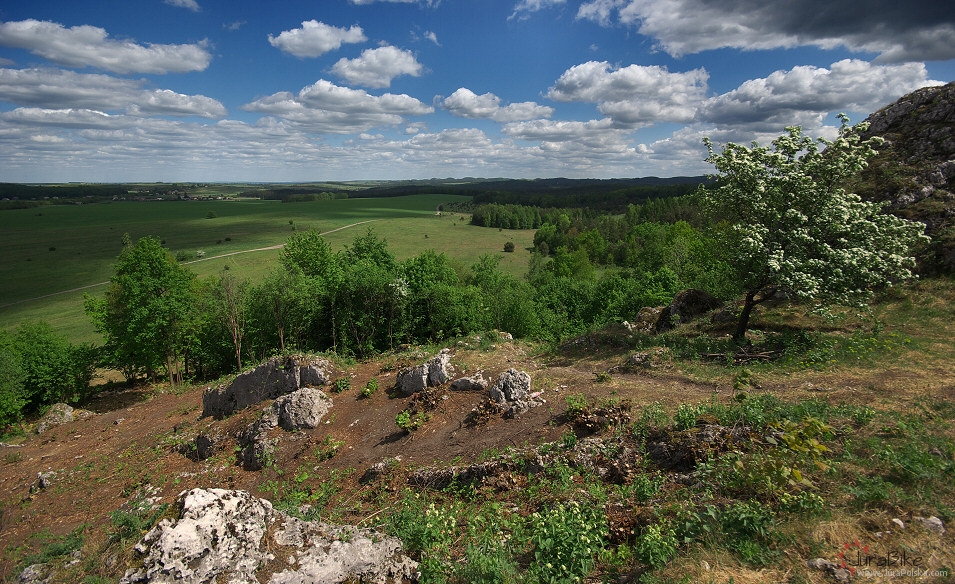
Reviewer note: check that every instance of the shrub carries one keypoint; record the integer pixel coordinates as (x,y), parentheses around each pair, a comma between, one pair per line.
(565,540)
(370,388)
(509,247)
(341,384)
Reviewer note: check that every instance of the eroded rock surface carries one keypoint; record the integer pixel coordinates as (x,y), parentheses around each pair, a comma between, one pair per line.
(276,377)
(228,536)
(432,373)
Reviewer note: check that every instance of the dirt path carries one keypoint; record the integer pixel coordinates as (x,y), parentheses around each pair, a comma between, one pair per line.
(279,246)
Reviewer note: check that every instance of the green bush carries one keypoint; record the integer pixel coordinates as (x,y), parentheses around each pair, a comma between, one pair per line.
(565,540)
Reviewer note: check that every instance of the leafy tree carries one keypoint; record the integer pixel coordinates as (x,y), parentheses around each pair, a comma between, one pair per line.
(788,223)
(144,315)
(12,376)
(232,297)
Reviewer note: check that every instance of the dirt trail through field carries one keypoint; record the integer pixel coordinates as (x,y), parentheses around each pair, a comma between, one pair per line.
(279,246)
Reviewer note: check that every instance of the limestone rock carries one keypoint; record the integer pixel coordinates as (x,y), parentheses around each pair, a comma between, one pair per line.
(933,524)
(914,172)
(44,480)
(34,574)
(512,385)
(474,382)
(646,320)
(226,536)
(434,372)
(276,377)
(301,409)
(218,532)
(57,414)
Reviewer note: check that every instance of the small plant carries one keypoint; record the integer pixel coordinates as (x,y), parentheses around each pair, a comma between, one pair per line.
(656,545)
(211,215)
(576,404)
(328,448)
(410,422)
(370,388)
(342,384)
(603,377)
(687,415)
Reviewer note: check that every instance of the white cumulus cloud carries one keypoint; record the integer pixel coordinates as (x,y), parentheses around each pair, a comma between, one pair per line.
(376,68)
(326,107)
(90,46)
(316,38)
(804,95)
(467,104)
(57,88)
(524,8)
(636,95)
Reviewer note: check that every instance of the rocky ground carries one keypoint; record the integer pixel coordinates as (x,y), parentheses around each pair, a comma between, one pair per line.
(478,412)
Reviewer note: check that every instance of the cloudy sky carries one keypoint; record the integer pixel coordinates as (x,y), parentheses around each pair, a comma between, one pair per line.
(243,90)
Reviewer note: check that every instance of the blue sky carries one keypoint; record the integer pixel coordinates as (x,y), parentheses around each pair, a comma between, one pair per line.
(215,90)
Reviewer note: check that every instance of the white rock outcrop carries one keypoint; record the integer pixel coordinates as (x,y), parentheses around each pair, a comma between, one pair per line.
(228,536)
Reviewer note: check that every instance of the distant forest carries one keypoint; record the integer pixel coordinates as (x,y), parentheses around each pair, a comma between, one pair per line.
(610,195)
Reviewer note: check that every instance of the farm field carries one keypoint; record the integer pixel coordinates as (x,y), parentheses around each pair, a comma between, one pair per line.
(63,247)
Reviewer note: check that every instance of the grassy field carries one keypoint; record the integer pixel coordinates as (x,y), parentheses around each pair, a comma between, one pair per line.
(57,248)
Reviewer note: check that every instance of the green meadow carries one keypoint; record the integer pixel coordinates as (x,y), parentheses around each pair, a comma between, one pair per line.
(52,249)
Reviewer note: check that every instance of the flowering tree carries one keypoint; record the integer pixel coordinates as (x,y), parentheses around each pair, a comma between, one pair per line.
(788,224)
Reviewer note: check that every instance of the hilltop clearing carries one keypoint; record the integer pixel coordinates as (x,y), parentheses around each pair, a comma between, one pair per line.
(678,466)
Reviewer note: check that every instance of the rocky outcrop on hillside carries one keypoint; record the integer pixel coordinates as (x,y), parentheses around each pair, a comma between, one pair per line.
(914,173)
(276,377)
(432,373)
(300,410)
(230,536)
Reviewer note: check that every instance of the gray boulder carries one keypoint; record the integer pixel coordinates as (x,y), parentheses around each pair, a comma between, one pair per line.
(434,372)
(511,386)
(413,379)
(276,377)
(301,409)
(472,383)
(226,536)
(56,415)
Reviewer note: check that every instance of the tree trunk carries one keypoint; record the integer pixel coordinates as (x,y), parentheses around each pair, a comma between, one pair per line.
(172,379)
(743,322)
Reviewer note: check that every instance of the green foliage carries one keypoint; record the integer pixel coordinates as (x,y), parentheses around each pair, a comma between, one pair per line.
(12,377)
(657,544)
(787,222)
(327,448)
(686,415)
(410,422)
(565,539)
(146,312)
(40,368)
(58,548)
(369,389)
(342,384)
(426,529)
(577,404)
